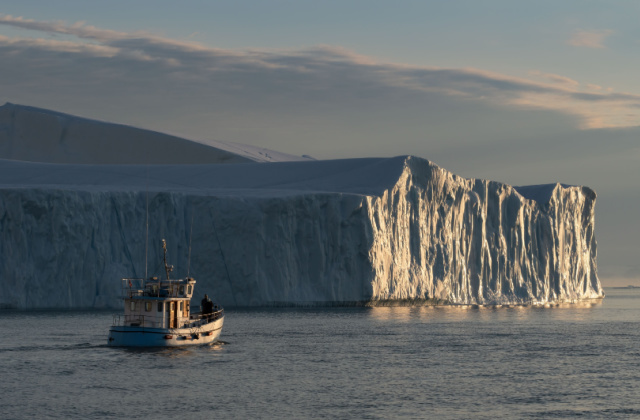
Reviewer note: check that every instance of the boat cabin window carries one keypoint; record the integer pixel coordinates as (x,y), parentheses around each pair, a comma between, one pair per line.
(133,305)
(189,289)
(147,306)
(181,291)
(182,305)
(160,306)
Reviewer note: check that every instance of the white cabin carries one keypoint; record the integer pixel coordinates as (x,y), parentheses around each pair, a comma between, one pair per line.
(157,304)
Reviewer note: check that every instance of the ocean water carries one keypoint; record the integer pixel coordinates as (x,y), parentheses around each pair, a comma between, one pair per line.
(417,362)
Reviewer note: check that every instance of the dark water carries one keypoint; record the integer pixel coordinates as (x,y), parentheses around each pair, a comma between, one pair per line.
(573,361)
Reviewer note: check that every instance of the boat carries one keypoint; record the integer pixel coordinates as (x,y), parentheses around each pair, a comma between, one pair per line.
(157,313)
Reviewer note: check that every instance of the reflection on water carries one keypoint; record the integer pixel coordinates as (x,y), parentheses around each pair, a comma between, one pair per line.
(461,313)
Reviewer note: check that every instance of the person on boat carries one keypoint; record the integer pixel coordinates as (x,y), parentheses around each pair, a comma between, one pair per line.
(207,305)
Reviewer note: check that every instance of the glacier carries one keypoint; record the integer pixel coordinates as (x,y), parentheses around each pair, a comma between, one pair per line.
(41,135)
(336,232)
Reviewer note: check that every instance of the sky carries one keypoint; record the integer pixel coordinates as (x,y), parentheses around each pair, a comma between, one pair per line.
(523,92)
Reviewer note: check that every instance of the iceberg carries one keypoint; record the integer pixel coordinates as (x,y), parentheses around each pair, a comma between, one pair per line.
(41,135)
(335,232)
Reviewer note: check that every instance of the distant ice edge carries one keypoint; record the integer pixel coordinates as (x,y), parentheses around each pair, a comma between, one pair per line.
(432,237)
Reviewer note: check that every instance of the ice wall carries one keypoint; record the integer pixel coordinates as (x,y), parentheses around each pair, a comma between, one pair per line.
(481,242)
(314,233)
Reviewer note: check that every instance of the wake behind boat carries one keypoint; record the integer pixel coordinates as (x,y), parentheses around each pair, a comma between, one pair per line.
(157,314)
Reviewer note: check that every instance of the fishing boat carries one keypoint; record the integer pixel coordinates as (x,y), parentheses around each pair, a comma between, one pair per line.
(157,313)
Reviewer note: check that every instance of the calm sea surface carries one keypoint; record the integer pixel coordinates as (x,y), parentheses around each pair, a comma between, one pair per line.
(563,362)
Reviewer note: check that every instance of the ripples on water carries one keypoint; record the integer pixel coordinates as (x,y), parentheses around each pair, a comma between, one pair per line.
(420,362)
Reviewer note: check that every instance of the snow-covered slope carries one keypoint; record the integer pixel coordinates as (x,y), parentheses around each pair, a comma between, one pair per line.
(318,232)
(40,135)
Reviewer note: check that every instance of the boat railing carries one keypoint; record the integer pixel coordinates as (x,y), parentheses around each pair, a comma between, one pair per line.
(199,318)
(132,287)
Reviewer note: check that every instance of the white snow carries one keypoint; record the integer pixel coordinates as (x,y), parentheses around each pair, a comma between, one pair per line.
(41,135)
(315,232)
(363,176)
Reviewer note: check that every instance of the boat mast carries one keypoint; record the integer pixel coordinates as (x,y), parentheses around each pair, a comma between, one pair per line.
(146,242)
(190,238)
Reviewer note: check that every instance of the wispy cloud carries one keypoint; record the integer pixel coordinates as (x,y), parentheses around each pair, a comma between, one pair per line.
(555,78)
(148,66)
(79,29)
(60,46)
(589,39)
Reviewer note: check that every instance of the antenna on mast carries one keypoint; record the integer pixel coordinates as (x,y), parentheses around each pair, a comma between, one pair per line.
(167,268)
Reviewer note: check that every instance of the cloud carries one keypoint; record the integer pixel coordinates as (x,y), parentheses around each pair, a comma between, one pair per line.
(555,78)
(145,66)
(60,46)
(589,39)
(79,29)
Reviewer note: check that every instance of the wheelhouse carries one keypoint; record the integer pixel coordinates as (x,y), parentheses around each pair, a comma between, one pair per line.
(157,303)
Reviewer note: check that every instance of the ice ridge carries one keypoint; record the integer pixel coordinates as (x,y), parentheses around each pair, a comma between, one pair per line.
(40,135)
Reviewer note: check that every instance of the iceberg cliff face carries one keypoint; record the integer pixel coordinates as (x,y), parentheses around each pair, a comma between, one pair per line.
(325,232)
(482,242)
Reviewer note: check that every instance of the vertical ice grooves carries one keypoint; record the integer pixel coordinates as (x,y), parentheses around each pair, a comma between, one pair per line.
(484,243)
